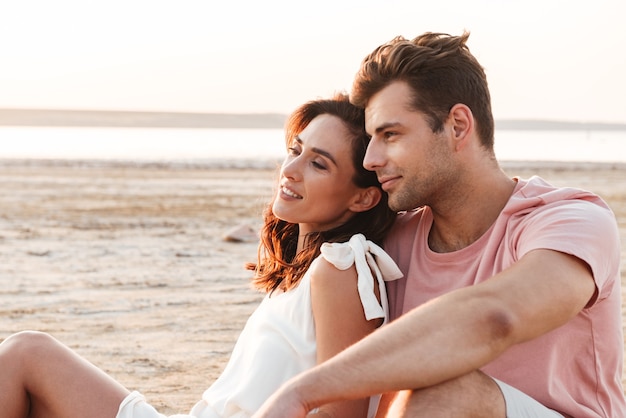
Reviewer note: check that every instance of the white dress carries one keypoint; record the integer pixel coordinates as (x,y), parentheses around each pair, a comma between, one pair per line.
(278,341)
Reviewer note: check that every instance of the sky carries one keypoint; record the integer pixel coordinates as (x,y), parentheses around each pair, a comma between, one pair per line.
(544,59)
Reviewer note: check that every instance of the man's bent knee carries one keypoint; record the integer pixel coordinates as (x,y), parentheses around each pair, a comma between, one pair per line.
(474,395)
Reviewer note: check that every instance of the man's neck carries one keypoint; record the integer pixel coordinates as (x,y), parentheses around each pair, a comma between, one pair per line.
(467,216)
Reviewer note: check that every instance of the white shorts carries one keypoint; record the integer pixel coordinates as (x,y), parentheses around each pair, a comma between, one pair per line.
(135,406)
(520,405)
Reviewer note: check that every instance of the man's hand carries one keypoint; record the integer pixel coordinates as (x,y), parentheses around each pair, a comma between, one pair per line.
(283,404)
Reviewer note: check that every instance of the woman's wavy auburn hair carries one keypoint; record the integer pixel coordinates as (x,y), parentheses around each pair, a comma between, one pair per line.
(278,266)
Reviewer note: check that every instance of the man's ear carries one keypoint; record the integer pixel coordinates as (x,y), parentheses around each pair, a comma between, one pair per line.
(366,199)
(462,121)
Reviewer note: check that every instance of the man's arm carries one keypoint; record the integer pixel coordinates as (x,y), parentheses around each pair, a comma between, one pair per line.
(447,337)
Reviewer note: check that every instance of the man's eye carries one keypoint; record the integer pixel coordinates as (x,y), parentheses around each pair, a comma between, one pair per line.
(389,136)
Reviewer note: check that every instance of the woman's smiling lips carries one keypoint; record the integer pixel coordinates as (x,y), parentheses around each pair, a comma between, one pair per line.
(290,193)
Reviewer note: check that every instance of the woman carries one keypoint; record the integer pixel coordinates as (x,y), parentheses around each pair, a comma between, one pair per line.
(322,278)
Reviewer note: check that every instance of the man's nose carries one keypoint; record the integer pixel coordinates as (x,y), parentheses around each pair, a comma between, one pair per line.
(372,159)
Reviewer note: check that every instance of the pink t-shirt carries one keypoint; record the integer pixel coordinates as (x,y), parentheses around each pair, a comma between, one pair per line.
(575,369)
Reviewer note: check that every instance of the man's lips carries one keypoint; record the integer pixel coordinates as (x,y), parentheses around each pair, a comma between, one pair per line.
(387,182)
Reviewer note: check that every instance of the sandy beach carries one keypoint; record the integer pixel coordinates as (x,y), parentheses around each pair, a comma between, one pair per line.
(127,263)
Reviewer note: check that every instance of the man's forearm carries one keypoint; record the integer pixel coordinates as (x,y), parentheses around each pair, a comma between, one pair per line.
(449,336)
(456,333)
(436,342)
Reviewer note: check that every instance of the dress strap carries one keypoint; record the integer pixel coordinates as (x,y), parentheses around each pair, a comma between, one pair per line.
(367,258)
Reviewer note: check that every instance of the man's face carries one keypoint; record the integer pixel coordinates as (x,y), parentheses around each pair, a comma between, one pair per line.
(413,164)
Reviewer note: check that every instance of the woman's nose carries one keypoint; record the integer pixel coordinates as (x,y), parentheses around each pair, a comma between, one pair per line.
(291,168)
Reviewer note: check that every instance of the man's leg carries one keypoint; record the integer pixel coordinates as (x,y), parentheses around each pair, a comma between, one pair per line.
(474,395)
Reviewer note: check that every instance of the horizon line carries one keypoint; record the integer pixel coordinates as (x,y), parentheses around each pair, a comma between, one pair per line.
(251,120)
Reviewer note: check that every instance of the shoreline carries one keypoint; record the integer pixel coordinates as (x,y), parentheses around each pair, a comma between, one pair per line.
(268,163)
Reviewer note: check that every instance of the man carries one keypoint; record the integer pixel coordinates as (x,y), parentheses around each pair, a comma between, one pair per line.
(511,301)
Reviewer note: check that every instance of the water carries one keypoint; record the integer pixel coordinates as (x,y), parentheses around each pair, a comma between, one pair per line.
(567,146)
(264,147)
(256,147)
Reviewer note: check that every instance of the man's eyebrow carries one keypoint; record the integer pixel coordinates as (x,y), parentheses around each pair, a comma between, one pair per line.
(386,125)
(318,150)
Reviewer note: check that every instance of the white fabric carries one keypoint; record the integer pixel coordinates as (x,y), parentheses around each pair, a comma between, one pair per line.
(520,405)
(278,340)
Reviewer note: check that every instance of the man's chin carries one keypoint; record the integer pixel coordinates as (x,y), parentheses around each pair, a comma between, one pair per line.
(398,205)
(395,206)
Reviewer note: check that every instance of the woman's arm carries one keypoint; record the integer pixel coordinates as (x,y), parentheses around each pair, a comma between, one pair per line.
(339,322)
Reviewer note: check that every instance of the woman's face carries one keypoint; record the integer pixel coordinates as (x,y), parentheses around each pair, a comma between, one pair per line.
(315,187)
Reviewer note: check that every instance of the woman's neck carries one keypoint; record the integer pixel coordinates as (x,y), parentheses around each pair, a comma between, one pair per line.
(301,241)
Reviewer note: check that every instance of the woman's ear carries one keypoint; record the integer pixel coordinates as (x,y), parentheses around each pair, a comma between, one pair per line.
(366,199)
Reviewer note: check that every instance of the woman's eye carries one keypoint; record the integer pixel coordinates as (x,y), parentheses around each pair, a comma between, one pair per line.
(319,165)
(293,151)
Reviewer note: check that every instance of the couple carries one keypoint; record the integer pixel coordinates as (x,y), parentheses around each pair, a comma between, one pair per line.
(510,300)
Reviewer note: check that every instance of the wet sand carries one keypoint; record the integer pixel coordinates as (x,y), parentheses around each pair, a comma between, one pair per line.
(127,263)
